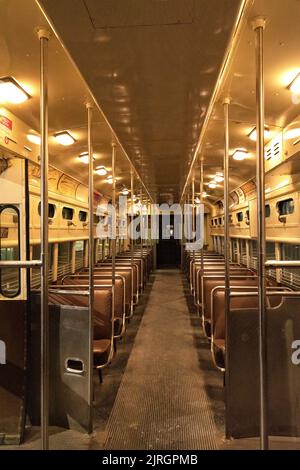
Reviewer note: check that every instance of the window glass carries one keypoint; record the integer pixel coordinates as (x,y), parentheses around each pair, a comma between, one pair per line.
(82,216)
(9,230)
(51,210)
(267,210)
(285,207)
(240,216)
(67,213)
(290,276)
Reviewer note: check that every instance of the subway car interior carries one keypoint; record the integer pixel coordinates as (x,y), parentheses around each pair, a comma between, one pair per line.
(149,225)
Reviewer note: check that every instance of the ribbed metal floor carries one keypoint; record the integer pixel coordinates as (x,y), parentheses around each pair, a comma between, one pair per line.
(163,401)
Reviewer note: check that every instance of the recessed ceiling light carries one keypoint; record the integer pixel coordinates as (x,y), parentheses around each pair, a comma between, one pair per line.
(240,154)
(125,192)
(109,180)
(11,91)
(64,138)
(84,157)
(101,170)
(34,138)
(294,86)
(204,194)
(253,134)
(212,185)
(197,200)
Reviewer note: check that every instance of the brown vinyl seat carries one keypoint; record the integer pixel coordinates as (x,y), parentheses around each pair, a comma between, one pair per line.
(119,297)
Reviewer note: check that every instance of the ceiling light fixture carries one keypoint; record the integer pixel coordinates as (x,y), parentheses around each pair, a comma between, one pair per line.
(294,86)
(291,134)
(109,180)
(84,157)
(218,178)
(253,134)
(34,138)
(64,138)
(240,154)
(212,185)
(12,92)
(125,192)
(101,170)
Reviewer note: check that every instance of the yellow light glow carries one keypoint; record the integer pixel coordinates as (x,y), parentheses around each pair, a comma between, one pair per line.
(253,134)
(11,91)
(34,138)
(109,180)
(64,138)
(212,185)
(84,157)
(292,134)
(125,192)
(240,154)
(294,86)
(218,179)
(101,170)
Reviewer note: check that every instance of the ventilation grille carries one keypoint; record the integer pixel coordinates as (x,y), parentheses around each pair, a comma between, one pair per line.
(274,148)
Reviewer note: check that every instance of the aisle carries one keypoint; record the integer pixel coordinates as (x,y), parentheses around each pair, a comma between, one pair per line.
(162,402)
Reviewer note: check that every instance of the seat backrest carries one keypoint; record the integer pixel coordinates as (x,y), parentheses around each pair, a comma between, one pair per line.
(119,290)
(209,283)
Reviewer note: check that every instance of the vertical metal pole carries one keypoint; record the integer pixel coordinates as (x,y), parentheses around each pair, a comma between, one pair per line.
(201,202)
(44,36)
(132,214)
(89,107)
(226,238)
(259,26)
(193,212)
(142,228)
(113,240)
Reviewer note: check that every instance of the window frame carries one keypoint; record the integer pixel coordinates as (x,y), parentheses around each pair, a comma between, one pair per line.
(17,210)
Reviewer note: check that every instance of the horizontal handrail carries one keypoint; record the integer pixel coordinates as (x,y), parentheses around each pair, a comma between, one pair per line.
(282,264)
(67,292)
(20,264)
(282,293)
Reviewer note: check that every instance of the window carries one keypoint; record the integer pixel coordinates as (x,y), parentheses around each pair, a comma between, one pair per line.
(290,276)
(64,258)
(96,219)
(10,284)
(82,216)
(267,211)
(79,254)
(67,213)
(253,254)
(220,221)
(51,210)
(240,216)
(212,222)
(230,219)
(285,207)
(243,251)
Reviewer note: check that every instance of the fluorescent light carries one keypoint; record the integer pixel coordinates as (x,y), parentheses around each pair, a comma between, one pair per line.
(125,192)
(294,86)
(291,134)
(218,178)
(253,134)
(101,170)
(240,154)
(34,138)
(212,185)
(11,91)
(109,180)
(64,138)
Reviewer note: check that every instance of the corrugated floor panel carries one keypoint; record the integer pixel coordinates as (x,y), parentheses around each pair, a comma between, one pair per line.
(163,401)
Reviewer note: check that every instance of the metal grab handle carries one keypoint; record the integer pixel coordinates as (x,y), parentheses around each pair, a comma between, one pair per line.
(21,264)
(268,293)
